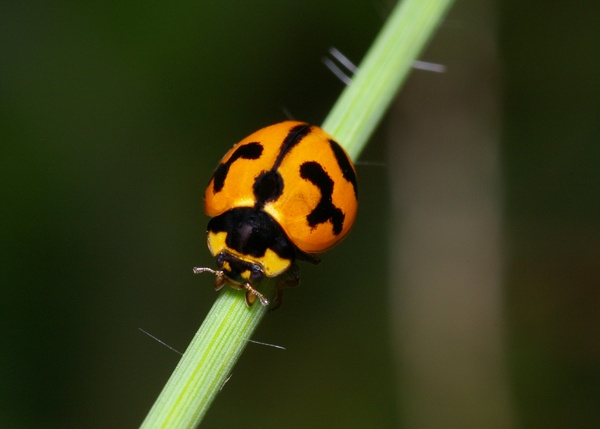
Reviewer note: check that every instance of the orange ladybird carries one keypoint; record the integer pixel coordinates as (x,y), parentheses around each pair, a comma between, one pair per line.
(286,192)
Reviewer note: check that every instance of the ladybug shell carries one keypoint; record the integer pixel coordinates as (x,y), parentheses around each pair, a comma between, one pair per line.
(296,173)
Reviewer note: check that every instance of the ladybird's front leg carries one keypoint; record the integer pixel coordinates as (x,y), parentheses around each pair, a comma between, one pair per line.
(220,279)
(251,295)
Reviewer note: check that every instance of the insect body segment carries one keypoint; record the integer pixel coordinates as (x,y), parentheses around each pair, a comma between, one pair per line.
(286,192)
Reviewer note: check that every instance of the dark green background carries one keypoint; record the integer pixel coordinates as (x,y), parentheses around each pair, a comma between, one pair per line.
(113,115)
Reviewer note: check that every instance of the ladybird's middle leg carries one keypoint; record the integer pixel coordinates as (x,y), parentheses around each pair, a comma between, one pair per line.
(292,280)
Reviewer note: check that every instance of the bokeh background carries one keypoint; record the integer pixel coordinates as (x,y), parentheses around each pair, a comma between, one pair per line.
(468,294)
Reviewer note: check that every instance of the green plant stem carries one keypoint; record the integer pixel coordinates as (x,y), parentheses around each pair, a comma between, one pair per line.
(362,105)
(219,342)
(207,362)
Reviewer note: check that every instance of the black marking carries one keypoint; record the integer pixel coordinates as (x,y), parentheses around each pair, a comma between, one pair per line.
(295,136)
(268,186)
(252,232)
(325,210)
(344,164)
(248,151)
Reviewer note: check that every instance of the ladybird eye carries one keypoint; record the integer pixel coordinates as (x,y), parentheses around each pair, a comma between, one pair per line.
(220,259)
(256,275)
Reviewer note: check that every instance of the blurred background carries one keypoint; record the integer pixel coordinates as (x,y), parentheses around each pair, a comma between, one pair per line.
(468,294)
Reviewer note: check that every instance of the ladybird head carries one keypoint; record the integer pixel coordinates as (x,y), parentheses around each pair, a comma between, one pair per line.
(237,274)
(238,271)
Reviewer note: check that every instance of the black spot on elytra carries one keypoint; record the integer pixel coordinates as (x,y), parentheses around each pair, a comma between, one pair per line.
(268,186)
(247,151)
(325,210)
(344,164)
(294,136)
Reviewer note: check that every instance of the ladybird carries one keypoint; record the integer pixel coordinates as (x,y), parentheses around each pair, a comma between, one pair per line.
(287,192)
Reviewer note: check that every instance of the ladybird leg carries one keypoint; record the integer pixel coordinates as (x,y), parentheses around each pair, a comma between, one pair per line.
(293,280)
(220,276)
(219,282)
(250,298)
(252,294)
(277,300)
